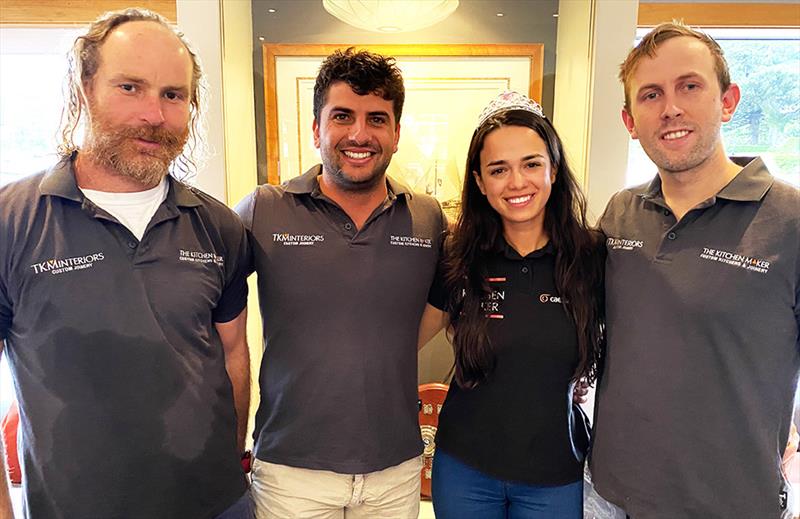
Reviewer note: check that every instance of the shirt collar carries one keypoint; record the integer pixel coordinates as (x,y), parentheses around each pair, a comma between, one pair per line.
(503,247)
(749,185)
(182,194)
(59,181)
(308,184)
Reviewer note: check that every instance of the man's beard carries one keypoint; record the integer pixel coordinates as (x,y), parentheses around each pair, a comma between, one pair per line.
(114,148)
(332,165)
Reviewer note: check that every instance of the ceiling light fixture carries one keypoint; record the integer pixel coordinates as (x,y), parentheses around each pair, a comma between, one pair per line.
(390,15)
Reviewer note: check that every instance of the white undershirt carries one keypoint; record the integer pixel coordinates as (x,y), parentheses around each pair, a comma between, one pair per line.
(133,210)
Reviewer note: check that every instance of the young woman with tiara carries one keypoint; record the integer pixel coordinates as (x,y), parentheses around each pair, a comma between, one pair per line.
(522,295)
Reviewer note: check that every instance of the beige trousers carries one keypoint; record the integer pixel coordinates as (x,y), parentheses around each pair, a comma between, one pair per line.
(282,492)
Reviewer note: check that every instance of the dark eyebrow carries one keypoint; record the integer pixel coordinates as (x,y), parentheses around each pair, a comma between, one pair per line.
(341,109)
(534,156)
(523,159)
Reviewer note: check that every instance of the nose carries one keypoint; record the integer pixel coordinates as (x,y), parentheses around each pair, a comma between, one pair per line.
(671,108)
(516,179)
(359,132)
(151,110)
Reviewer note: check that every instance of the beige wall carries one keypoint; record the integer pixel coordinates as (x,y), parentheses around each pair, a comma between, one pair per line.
(594,36)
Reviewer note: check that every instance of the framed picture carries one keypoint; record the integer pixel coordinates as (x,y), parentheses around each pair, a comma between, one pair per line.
(446,88)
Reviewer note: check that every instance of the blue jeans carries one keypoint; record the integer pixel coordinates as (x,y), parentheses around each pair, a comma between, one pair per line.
(461,492)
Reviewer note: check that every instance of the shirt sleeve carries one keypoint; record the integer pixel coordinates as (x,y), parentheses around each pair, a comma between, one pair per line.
(5,311)
(797,302)
(240,264)
(604,220)
(245,210)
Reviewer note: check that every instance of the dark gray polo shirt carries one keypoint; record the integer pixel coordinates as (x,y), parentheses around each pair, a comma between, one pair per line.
(341,310)
(695,404)
(126,409)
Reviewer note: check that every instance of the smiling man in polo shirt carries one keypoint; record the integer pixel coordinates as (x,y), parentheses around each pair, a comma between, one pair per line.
(122,298)
(345,258)
(703,303)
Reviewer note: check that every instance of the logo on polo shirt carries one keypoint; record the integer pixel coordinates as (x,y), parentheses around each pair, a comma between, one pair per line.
(285,238)
(491,304)
(623,244)
(410,241)
(61,265)
(735,260)
(194,256)
(549,298)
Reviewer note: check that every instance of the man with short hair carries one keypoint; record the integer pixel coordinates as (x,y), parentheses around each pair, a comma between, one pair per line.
(345,257)
(122,298)
(703,303)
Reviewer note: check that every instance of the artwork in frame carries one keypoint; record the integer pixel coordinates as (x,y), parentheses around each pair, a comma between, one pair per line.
(446,88)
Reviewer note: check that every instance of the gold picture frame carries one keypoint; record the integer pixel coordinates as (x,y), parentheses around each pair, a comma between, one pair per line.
(446,87)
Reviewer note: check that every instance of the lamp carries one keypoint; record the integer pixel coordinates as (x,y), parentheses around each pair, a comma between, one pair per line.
(390,15)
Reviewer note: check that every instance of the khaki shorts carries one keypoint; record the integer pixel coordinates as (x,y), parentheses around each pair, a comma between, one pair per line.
(282,492)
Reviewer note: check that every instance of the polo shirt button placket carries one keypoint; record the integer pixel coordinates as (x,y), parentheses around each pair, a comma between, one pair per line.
(525,270)
(672,235)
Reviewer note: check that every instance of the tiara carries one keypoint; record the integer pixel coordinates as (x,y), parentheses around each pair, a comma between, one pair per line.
(509,100)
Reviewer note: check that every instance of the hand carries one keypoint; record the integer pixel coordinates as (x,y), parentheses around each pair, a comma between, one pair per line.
(580,391)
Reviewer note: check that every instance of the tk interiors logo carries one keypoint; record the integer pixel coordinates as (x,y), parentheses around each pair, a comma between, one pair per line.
(623,244)
(294,240)
(193,256)
(410,241)
(735,260)
(61,265)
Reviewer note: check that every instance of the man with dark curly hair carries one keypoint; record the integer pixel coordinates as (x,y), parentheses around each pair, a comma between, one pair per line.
(345,257)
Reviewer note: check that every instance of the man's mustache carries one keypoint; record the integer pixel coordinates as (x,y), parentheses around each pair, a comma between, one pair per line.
(157,134)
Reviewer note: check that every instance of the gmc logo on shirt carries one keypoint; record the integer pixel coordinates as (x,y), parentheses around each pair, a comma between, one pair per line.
(547,298)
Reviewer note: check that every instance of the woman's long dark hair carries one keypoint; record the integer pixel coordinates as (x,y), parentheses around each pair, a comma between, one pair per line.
(579,258)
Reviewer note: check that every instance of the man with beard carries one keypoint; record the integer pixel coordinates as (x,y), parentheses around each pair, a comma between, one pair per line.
(122,298)
(703,303)
(345,256)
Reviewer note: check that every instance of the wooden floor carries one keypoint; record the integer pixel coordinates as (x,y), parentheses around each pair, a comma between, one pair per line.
(426,510)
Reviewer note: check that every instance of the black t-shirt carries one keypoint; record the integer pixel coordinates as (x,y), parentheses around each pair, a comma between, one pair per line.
(515,426)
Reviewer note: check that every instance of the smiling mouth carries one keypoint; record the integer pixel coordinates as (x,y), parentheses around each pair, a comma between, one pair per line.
(358,154)
(519,199)
(671,136)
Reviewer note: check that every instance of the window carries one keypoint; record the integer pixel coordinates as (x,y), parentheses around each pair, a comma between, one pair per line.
(765,63)
(32,68)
